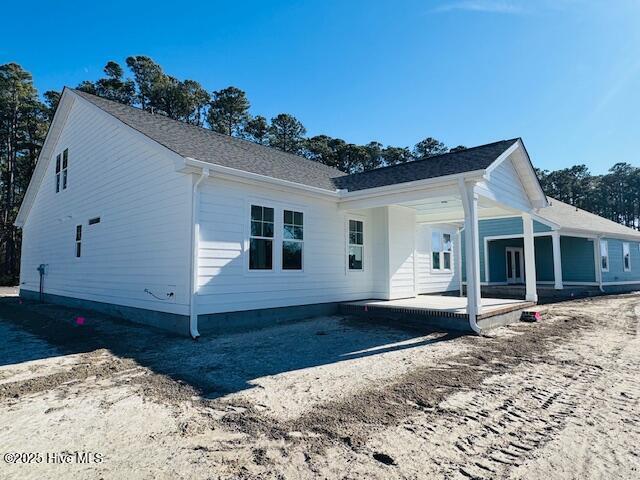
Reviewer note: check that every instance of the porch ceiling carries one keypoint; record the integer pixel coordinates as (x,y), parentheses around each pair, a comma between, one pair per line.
(448,209)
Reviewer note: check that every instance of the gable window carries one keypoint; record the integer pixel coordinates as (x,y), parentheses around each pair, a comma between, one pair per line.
(261,239)
(78,240)
(441,251)
(58,165)
(62,162)
(292,240)
(356,245)
(65,163)
(626,257)
(604,255)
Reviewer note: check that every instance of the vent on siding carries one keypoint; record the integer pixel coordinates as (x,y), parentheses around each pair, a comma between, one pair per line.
(93,221)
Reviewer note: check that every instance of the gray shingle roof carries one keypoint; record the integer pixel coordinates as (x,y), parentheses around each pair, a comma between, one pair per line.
(573,218)
(208,146)
(476,158)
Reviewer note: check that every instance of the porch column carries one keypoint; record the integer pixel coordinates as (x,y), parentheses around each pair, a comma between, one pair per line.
(472,251)
(557,260)
(459,260)
(529,259)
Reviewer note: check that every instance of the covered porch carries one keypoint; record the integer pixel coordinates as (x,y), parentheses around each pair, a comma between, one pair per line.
(411,250)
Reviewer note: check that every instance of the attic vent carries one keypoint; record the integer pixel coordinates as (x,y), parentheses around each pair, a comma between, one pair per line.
(93,221)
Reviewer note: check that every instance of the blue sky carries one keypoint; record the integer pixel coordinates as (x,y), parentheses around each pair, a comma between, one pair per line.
(562,74)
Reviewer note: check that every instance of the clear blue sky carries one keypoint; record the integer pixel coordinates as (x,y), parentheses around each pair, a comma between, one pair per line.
(562,74)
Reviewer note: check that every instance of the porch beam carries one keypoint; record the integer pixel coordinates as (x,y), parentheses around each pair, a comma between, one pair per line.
(529,259)
(557,260)
(472,251)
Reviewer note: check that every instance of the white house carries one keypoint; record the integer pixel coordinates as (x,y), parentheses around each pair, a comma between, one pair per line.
(179,227)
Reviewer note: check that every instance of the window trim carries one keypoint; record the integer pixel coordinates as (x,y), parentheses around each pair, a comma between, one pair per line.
(624,267)
(348,244)
(441,270)
(604,244)
(282,240)
(278,225)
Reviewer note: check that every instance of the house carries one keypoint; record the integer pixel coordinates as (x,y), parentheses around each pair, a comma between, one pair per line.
(176,226)
(573,248)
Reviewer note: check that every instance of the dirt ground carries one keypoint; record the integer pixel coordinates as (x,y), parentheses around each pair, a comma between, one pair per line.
(326,398)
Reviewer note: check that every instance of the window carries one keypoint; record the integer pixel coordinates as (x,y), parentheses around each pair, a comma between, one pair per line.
(93,221)
(292,240)
(356,245)
(626,257)
(78,240)
(440,251)
(604,255)
(62,161)
(261,239)
(65,162)
(58,160)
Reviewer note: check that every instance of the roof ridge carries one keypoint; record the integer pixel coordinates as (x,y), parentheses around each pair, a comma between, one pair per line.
(241,142)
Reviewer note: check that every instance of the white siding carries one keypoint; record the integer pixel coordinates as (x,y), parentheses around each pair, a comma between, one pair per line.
(402,222)
(226,284)
(428,281)
(505,187)
(142,240)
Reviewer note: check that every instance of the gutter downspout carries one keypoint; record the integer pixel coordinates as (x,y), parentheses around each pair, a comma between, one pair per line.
(195,241)
(599,262)
(468,196)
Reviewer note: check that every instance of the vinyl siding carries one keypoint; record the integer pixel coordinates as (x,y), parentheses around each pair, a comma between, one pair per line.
(578,261)
(428,281)
(224,280)
(504,186)
(616,271)
(500,227)
(402,225)
(142,240)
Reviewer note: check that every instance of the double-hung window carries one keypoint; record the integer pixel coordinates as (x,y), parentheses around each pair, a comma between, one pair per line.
(440,251)
(261,239)
(604,255)
(356,245)
(626,257)
(292,240)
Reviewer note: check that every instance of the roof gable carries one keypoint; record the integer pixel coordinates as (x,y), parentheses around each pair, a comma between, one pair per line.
(215,148)
(471,159)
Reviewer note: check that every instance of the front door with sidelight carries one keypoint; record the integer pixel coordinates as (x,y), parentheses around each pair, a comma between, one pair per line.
(515,265)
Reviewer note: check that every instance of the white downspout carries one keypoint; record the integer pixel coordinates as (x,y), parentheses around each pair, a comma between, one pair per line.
(470,206)
(195,240)
(598,259)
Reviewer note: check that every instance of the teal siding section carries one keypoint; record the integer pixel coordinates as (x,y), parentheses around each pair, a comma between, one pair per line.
(497,227)
(498,257)
(616,271)
(578,263)
(540,227)
(544,259)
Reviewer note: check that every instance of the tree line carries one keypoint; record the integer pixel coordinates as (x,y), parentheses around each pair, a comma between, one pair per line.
(25,117)
(614,195)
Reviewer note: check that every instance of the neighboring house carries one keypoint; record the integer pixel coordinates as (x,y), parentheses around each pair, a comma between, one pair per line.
(179,227)
(572,248)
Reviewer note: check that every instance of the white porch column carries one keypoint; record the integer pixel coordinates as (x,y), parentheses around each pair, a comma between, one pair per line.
(557,260)
(472,251)
(529,259)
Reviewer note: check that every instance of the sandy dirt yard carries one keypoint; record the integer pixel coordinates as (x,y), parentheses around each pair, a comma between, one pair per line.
(326,398)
